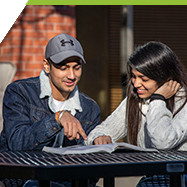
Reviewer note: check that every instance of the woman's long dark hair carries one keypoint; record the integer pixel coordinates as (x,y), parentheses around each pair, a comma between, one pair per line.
(158,62)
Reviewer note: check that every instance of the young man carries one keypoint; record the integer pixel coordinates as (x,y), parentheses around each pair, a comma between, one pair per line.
(49,110)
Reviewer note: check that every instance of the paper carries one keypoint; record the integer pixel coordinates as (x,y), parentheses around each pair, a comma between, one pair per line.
(78,149)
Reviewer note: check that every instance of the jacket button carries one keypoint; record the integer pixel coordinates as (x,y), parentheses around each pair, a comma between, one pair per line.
(54,128)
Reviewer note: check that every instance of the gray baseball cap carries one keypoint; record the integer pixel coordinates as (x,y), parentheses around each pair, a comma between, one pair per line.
(63,46)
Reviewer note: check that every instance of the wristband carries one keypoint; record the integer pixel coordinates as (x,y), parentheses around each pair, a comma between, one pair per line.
(57,115)
(157,96)
(60,115)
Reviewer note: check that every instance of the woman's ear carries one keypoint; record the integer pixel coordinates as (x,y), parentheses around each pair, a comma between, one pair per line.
(46,66)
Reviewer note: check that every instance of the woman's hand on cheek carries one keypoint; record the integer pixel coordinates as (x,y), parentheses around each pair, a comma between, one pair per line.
(168,89)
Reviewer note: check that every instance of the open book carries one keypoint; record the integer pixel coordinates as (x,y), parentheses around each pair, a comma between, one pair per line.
(81,149)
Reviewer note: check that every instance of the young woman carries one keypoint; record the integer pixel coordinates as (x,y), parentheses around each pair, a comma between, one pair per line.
(153,115)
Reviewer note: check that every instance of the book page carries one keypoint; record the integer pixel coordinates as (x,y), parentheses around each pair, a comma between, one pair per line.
(81,149)
(123,145)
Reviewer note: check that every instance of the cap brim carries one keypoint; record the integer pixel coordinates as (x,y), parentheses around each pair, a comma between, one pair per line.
(57,58)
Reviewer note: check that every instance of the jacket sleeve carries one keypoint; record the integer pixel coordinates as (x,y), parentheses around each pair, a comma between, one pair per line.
(113,126)
(164,130)
(22,130)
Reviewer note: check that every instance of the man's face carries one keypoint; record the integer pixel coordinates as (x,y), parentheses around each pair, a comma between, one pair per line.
(64,79)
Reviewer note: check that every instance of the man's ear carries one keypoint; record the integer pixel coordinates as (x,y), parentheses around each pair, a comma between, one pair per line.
(46,66)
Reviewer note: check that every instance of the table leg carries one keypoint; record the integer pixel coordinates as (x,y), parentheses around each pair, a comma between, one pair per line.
(43,183)
(108,182)
(177,180)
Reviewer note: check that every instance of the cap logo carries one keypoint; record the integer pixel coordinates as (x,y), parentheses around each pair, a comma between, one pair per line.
(63,42)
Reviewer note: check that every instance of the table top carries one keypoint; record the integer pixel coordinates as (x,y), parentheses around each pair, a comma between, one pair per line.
(49,166)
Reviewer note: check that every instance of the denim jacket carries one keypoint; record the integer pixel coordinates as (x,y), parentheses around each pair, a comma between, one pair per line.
(29,123)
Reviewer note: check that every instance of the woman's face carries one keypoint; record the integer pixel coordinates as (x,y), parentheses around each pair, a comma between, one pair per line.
(145,86)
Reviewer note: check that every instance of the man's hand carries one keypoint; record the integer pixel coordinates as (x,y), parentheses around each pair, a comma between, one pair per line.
(102,140)
(168,89)
(72,126)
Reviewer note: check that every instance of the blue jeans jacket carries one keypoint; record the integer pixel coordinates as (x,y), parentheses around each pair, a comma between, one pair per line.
(29,124)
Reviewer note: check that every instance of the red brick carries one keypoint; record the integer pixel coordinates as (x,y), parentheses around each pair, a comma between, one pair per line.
(22,26)
(19,66)
(33,66)
(33,34)
(14,33)
(44,26)
(5,58)
(33,50)
(39,58)
(3,43)
(23,58)
(44,10)
(69,20)
(60,28)
(8,42)
(65,29)
(27,58)
(24,74)
(30,18)
(15,58)
(27,42)
(37,72)
(12,50)
(39,42)
(18,42)
(28,10)
(55,19)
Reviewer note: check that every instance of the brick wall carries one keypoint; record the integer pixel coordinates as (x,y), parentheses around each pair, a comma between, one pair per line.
(24,45)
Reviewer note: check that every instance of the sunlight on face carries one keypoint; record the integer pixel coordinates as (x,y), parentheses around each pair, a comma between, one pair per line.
(64,79)
(145,86)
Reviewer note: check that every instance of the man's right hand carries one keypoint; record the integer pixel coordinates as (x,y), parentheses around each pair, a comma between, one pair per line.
(102,140)
(72,127)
